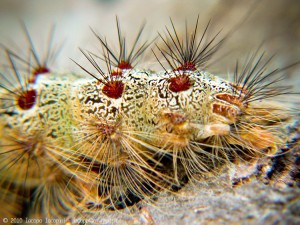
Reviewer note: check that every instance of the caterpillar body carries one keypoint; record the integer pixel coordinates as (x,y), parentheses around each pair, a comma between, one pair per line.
(106,141)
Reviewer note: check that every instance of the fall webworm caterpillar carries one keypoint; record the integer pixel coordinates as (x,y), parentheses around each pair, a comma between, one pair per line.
(129,133)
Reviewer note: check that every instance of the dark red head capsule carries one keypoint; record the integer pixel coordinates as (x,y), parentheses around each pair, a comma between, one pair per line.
(180,83)
(123,65)
(27,99)
(113,89)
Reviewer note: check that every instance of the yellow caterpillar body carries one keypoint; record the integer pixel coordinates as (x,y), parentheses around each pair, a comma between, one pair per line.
(73,144)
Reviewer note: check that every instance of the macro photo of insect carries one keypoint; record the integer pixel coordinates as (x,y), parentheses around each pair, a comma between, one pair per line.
(150,112)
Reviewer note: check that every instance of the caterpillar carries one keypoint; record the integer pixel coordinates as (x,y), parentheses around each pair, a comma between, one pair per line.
(73,145)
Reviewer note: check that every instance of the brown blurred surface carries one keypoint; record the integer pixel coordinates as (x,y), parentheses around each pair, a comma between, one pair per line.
(274,22)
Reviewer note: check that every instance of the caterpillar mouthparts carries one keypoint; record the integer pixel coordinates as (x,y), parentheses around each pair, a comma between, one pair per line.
(72,145)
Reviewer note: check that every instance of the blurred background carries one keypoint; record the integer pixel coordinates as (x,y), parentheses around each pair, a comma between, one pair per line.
(275,23)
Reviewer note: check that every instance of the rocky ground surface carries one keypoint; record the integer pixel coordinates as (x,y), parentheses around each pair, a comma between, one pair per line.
(266,192)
